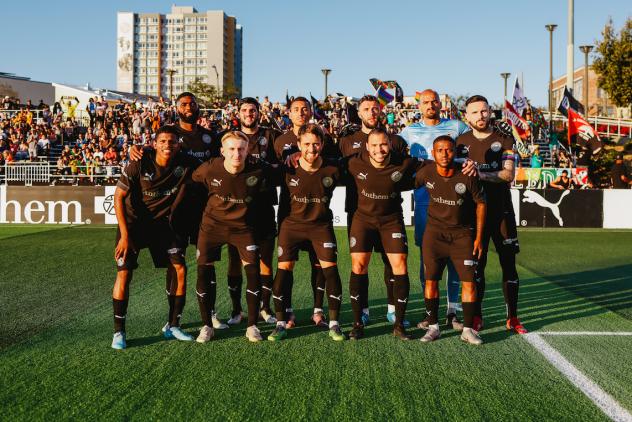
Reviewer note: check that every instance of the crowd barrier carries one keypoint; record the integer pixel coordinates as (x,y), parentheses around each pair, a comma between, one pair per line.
(549,208)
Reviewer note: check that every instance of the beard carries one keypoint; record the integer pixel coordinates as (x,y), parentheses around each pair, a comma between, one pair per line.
(192,119)
(370,126)
(482,129)
(249,126)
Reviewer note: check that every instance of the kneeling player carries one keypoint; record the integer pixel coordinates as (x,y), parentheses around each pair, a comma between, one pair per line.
(233,184)
(309,189)
(143,201)
(454,200)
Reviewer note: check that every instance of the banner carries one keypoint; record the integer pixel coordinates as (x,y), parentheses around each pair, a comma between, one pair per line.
(519,102)
(530,178)
(557,208)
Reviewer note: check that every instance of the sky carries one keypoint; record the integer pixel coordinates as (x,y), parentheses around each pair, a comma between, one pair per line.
(456,47)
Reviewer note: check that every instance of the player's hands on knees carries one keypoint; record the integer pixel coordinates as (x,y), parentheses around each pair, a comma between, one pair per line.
(123,248)
(478,249)
(470,168)
(135,153)
(292,160)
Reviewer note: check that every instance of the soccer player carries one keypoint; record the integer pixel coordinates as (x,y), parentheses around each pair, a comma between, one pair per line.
(309,188)
(454,200)
(260,147)
(355,143)
(419,137)
(143,200)
(378,176)
(285,146)
(495,156)
(234,185)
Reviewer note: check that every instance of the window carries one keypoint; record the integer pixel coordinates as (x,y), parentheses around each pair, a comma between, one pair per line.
(190,46)
(201,46)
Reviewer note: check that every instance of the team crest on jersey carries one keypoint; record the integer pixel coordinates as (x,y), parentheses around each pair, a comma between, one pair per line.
(460,188)
(356,145)
(178,171)
(252,180)
(327,181)
(430,185)
(496,146)
(352,241)
(324,199)
(263,141)
(279,251)
(206,138)
(396,176)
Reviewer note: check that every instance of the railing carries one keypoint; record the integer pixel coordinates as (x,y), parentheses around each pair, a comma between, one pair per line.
(47,173)
(605,126)
(28,172)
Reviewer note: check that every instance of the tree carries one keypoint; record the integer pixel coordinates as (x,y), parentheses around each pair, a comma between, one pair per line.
(613,63)
(204,92)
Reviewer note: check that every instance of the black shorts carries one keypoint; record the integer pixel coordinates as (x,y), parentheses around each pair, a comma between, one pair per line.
(186,216)
(294,237)
(438,247)
(382,235)
(500,226)
(164,245)
(213,236)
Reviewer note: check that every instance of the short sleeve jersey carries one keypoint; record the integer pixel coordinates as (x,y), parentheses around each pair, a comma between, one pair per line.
(287,144)
(378,190)
(309,194)
(200,143)
(419,136)
(231,197)
(152,189)
(355,143)
(489,153)
(452,199)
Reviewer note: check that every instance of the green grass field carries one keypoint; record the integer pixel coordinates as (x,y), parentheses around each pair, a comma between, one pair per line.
(56,327)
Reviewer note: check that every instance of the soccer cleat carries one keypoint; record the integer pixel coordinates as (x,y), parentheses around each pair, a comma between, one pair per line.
(218,324)
(253,334)
(267,317)
(390,316)
(319,320)
(278,334)
(470,336)
(290,321)
(453,321)
(431,335)
(178,334)
(166,332)
(118,340)
(357,332)
(336,333)
(206,334)
(399,331)
(477,324)
(235,319)
(513,324)
(365,319)
(423,324)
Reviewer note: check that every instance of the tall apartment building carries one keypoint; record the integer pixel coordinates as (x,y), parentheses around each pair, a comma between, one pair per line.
(157,52)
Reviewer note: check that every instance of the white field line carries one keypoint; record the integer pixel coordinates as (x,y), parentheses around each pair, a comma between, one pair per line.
(608,405)
(584,333)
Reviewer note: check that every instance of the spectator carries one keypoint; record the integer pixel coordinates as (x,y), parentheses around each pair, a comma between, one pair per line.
(536,159)
(562,182)
(619,177)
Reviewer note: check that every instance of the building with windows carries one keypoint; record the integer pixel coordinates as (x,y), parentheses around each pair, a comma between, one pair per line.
(160,54)
(598,102)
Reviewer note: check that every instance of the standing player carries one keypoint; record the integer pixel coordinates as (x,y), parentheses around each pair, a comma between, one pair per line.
(309,189)
(369,113)
(419,137)
(284,146)
(144,197)
(378,176)
(455,199)
(233,185)
(495,156)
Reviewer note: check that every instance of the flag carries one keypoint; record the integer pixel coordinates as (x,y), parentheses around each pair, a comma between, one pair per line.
(318,113)
(417,96)
(513,118)
(521,148)
(376,83)
(287,99)
(383,96)
(568,101)
(582,132)
(519,101)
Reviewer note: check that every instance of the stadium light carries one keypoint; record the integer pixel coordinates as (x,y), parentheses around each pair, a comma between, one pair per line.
(326,72)
(505,76)
(586,49)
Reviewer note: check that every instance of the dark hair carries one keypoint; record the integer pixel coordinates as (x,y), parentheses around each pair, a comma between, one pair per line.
(249,100)
(565,172)
(378,131)
(475,99)
(443,138)
(303,99)
(312,128)
(167,129)
(371,98)
(186,94)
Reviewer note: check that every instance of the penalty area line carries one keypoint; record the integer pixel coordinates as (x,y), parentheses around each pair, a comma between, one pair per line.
(608,405)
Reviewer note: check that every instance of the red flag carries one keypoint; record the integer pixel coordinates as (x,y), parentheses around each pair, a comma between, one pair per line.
(512,116)
(586,137)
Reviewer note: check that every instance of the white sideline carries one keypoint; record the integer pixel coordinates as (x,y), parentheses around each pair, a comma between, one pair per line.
(608,405)
(584,333)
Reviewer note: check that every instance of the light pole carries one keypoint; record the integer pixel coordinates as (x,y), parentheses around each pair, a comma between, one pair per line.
(326,72)
(217,81)
(171,72)
(586,49)
(505,75)
(550,27)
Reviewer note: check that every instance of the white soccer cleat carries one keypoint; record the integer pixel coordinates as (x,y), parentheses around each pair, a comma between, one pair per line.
(235,320)
(218,324)
(267,318)
(431,335)
(206,334)
(470,336)
(253,334)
